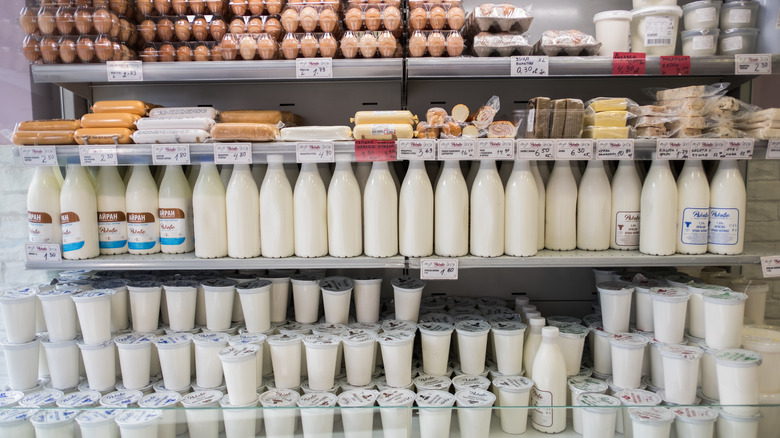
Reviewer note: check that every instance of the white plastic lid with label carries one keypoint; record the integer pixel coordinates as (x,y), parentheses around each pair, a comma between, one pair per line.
(407,283)
(425,382)
(93,295)
(254,286)
(278,398)
(573,331)
(476,398)
(321,341)
(513,383)
(95,417)
(670,294)
(238,353)
(11,416)
(10,398)
(121,399)
(651,415)
(17,295)
(56,294)
(370,326)
(358,398)
(727,297)
(329,329)
(692,414)
(437,317)
(41,399)
(507,327)
(465,381)
(628,340)
(202,399)
(173,341)
(598,403)
(211,339)
(580,384)
(134,340)
(615,287)
(336,284)
(762,338)
(396,337)
(396,397)
(680,352)
(638,397)
(317,399)
(53,417)
(361,337)
(285,339)
(162,399)
(434,399)
(436,328)
(736,357)
(138,417)
(472,327)
(398,324)
(247,338)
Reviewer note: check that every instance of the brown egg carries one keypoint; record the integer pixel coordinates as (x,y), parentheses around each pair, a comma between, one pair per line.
(217,29)
(394,3)
(165,29)
(418,19)
(28,20)
(256,7)
(216,53)
(328,20)
(438,17)
(238,6)
(349,45)
(255,26)
(184,53)
(237,26)
(354,19)
(144,7)
(67,50)
(202,53)
(46,21)
(267,47)
(229,47)
(273,28)
(31,50)
(386,43)
(149,54)
(391,18)
(216,7)
(63,20)
(274,6)
(104,49)
(247,46)
(163,7)
(197,7)
(290,47)
(290,20)
(309,46)
(85,49)
(374,2)
(436,43)
(148,30)
(200,29)
(118,26)
(308,19)
(182,29)
(454,44)
(328,46)
(456,18)
(417,44)
(166,53)
(368,45)
(179,6)
(413,4)
(373,19)
(119,6)
(101,19)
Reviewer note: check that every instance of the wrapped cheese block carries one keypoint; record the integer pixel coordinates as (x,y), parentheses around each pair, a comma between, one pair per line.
(609,104)
(103,136)
(201,123)
(184,112)
(383,131)
(607,118)
(539,117)
(171,136)
(608,132)
(244,132)
(384,117)
(316,133)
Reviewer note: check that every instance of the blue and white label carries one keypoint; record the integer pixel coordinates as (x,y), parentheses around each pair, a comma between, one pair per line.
(724,226)
(695,226)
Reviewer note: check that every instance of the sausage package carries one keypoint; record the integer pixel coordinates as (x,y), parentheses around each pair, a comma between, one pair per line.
(316,133)
(33,138)
(103,136)
(171,136)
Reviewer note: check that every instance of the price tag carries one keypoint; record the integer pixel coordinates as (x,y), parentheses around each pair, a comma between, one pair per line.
(104,155)
(439,269)
(675,65)
(170,154)
(770,265)
(232,153)
(573,149)
(773,149)
(125,71)
(375,150)
(615,149)
(457,149)
(753,64)
(38,155)
(535,150)
(43,252)
(628,64)
(672,149)
(530,66)
(739,148)
(315,152)
(702,149)
(414,149)
(496,149)
(306,68)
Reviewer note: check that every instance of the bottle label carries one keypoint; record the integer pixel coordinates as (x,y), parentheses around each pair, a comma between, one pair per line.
(141,231)
(627,228)
(112,229)
(541,415)
(724,226)
(173,226)
(72,236)
(695,223)
(39,226)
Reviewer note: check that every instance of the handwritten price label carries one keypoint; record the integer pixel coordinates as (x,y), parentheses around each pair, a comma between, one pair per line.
(675,65)
(313,68)
(38,155)
(760,64)
(413,149)
(315,152)
(496,149)
(773,149)
(232,153)
(770,265)
(739,148)
(98,155)
(125,71)
(457,149)
(628,64)
(530,66)
(439,269)
(573,149)
(615,149)
(535,150)
(43,252)
(707,149)
(170,154)
(672,149)
(375,150)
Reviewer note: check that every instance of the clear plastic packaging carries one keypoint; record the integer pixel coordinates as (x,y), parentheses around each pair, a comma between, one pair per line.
(737,41)
(700,42)
(702,14)
(436,43)
(489,17)
(432,16)
(300,17)
(370,45)
(256,7)
(183,28)
(567,43)
(374,17)
(502,44)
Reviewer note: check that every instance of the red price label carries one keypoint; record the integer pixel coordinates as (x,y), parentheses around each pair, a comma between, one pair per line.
(375,150)
(628,64)
(675,65)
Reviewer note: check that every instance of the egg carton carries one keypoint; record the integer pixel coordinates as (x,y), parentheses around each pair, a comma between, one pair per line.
(249,46)
(256,7)
(489,17)
(52,20)
(436,17)
(182,7)
(309,45)
(370,45)
(74,49)
(184,28)
(566,43)
(306,18)
(446,3)
(502,44)
(256,25)
(353,3)
(435,43)
(374,17)
(181,51)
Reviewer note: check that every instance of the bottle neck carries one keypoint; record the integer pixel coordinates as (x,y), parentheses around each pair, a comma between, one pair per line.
(522,165)
(240,168)
(487,165)
(343,166)
(309,167)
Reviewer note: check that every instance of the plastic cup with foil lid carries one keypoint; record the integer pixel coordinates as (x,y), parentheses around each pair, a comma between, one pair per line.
(173,421)
(435,340)
(695,310)
(599,414)
(407,295)
(396,346)
(59,311)
(436,317)
(180,303)
(695,422)
(10,398)
(756,290)
(145,302)
(425,382)
(669,310)
(435,415)
(465,381)
(738,383)
(94,311)
(19,309)
(121,399)
(370,326)
(472,345)
(560,320)
(615,299)
(723,318)
(601,349)
(572,342)
(219,295)
(627,351)
(681,369)
(41,399)
(240,419)
(54,422)
(651,422)
(135,356)
(175,359)
(316,413)
(512,391)
(279,422)
(765,339)
(367,298)
(254,339)
(139,423)
(16,423)
(634,397)
(359,355)
(643,305)
(240,370)
(474,422)
(580,385)
(397,324)
(321,357)
(99,364)
(255,299)
(99,423)
(357,412)
(306,297)
(508,337)
(286,351)
(280,293)
(336,298)
(729,424)
(396,412)
(208,367)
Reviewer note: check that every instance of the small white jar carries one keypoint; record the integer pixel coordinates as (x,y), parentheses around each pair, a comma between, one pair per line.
(723,319)
(601,349)
(99,423)
(627,351)
(580,385)
(139,423)
(742,426)
(572,342)
(694,422)
(669,309)
(612,31)
(681,369)
(654,30)
(435,417)
(54,423)
(757,291)
(738,382)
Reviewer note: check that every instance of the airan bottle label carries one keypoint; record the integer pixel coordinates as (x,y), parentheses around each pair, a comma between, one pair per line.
(72,235)
(39,227)
(141,232)
(173,226)
(112,229)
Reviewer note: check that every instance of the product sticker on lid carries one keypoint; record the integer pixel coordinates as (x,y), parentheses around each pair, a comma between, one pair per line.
(628,64)
(317,399)
(529,149)
(739,357)
(97,416)
(601,400)
(211,338)
(50,416)
(434,398)
(10,397)
(219,282)
(739,148)
(437,317)
(681,351)
(513,383)
(695,413)
(753,64)
(285,338)
(104,155)
(672,149)
(315,152)
(524,66)
(770,266)
(407,282)
(395,336)
(42,252)
(669,292)
(424,381)
(638,397)
(177,339)
(475,397)
(358,397)
(202,398)
(337,284)
(330,328)
(121,399)
(439,269)
(168,154)
(135,339)
(416,149)
(232,153)
(321,340)
(573,149)
(375,150)
(651,414)
(279,398)
(472,326)
(398,324)
(396,397)
(38,155)
(16,415)
(495,149)
(676,65)
(47,397)
(320,68)
(507,326)
(615,149)
(16,294)
(457,149)
(706,149)
(587,384)
(239,351)
(295,327)
(160,399)
(467,381)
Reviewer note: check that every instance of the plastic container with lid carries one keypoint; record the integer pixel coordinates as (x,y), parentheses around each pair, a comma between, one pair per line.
(681,369)
(59,311)
(633,397)
(770,414)
(738,382)
(612,31)
(702,14)
(205,421)
(737,41)
(173,420)
(397,348)
(599,414)
(765,339)
(756,290)
(601,349)
(99,423)
(508,346)
(359,356)
(434,421)
(700,42)
(336,298)
(472,338)
(695,422)
(435,340)
(321,356)
(638,4)
(474,420)
(627,351)
(360,421)
(651,422)
(139,423)
(16,423)
(615,298)
(580,385)
(286,351)
(729,424)
(63,360)
(318,420)
(723,318)
(513,391)
(54,422)
(135,356)
(175,359)
(669,310)
(654,30)
(739,14)
(18,309)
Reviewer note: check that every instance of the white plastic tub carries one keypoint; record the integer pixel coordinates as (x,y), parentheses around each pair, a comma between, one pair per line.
(737,41)
(703,14)
(612,31)
(739,14)
(654,30)
(700,42)
(765,339)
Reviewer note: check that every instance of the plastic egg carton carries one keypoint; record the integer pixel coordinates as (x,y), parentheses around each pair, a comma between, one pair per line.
(489,17)
(256,7)
(182,28)
(70,49)
(374,17)
(249,46)
(72,20)
(354,3)
(310,17)
(566,43)
(181,52)
(256,25)
(435,43)
(433,16)
(501,44)
(309,45)
(370,45)
(182,7)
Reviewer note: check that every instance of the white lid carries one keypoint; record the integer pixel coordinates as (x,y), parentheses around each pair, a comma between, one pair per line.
(475,398)
(91,417)
(725,297)
(305,279)
(456,301)
(612,15)
(359,337)
(426,382)
(597,402)
(254,286)
(657,10)
(651,415)
(211,339)
(329,329)
(463,310)
(437,317)
(705,287)
(202,399)
(562,319)
(238,352)
(503,317)
(469,317)
(695,414)
(680,352)
(173,341)
(435,328)
(162,399)
(121,399)
(579,384)
(396,397)
(615,287)
(761,338)
(358,397)
(317,399)
(628,340)
(39,399)
(53,417)
(644,285)
(321,341)
(738,418)
(9,416)
(336,284)
(76,273)
(469,381)
(472,327)
(669,294)
(572,330)
(507,326)
(278,398)
(396,337)
(134,339)
(159,386)
(736,357)
(638,397)
(536,321)
(285,339)
(247,338)
(294,327)
(434,399)
(513,383)
(10,398)
(138,417)
(408,283)
(57,293)
(17,295)
(225,283)
(83,346)
(93,295)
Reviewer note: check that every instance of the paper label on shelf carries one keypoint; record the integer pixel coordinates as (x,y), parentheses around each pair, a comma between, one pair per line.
(628,64)
(573,149)
(677,65)
(459,149)
(38,155)
(232,153)
(496,149)
(615,149)
(706,149)
(724,226)
(695,226)
(530,66)
(773,149)
(659,30)
(98,155)
(40,226)
(439,269)
(770,265)
(165,154)
(313,68)
(535,150)
(315,152)
(125,71)
(759,64)
(739,148)
(416,149)
(672,149)
(627,228)
(375,150)
(42,252)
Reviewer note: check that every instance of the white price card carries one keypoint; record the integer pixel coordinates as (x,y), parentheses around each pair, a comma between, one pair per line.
(439,269)
(530,66)
(232,153)
(706,149)
(738,148)
(125,71)
(773,149)
(314,152)
(618,149)
(307,68)
(756,64)
(38,155)
(104,155)
(672,149)
(535,150)
(170,154)
(573,149)
(457,149)
(496,149)
(43,252)
(770,265)
(416,149)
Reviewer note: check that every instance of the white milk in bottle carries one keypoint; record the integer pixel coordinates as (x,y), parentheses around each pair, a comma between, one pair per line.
(225,172)
(242,204)
(451,206)
(415,212)
(311,213)
(521,218)
(175,207)
(658,211)
(626,197)
(594,201)
(560,226)
(79,215)
(210,218)
(143,223)
(487,212)
(43,207)
(345,215)
(727,210)
(112,215)
(693,209)
(550,386)
(276,211)
(532,343)
(380,213)
(541,204)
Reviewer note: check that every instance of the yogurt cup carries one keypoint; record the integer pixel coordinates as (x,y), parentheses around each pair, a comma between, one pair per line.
(435,338)
(54,423)
(654,30)
(19,309)
(615,299)
(708,371)
(63,360)
(703,14)
(9,399)
(572,342)
(738,382)
(601,349)
(280,296)
(175,360)
(255,298)
(508,337)
(700,42)
(286,353)
(240,369)
(359,355)
(651,422)
(336,298)
(739,14)
(219,294)
(612,31)
(279,422)
(41,399)
(139,423)
(465,381)
(437,317)
(435,417)
(723,319)
(643,305)
(396,412)
(474,413)
(306,297)
(424,382)
(737,425)
(99,423)
(173,421)
(407,293)
(16,423)
(669,309)
(633,397)
(335,330)
(396,347)
(321,354)
(627,351)
(59,310)
(240,420)
(513,391)
(695,312)
(472,338)
(145,297)
(756,290)
(357,412)
(770,414)
(681,369)
(94,311)
(120,302)
(254,339)
(367,294)
(208,367)
(581,385)
(694,422)
(765,339)
(100,365)
(181,297)
(135,354)
(238,310)
(599,414)
(121,399)
(317,414)
(202,418)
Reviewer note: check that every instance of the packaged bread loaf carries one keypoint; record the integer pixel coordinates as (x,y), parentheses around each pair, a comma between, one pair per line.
(244,132)
(103,136)
(383,131)
(43,137)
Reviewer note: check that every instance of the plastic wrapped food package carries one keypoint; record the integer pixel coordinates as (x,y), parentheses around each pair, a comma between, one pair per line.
(560,118)
(503,44)
(436,16)
(244,132)
(500,18)
(374,17)
(182,52)
(316,133)
(256,7)
(299,17)
(171,136)
(75,49)
(567,43)
(184,28)
(436,43)
(369,45)
(256,25)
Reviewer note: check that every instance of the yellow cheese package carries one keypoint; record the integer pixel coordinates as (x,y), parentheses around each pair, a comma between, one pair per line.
(383,131)
(607,119)
(384,117)
(611,132)
(600,104)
